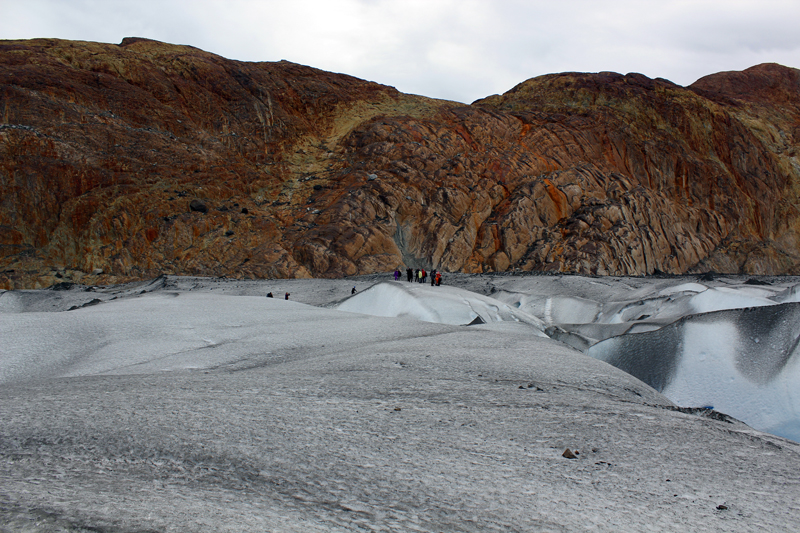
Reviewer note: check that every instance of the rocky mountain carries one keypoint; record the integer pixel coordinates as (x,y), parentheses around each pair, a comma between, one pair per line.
(127,161)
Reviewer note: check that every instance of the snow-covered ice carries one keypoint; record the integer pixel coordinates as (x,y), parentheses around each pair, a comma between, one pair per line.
(191,404)
(443,305)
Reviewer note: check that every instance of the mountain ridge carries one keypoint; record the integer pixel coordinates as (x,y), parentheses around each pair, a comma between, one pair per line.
(122,162)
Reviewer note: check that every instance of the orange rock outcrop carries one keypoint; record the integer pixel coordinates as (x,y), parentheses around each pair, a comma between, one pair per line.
(122,162)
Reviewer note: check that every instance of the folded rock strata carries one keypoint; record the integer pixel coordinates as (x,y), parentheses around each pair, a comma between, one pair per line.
(122,162)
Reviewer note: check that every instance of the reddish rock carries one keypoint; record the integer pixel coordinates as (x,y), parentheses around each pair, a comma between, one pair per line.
(307,173)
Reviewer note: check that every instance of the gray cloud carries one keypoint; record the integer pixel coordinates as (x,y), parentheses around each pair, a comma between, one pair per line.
(460,50)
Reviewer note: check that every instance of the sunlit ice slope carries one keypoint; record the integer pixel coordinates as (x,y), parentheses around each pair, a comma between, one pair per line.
(445,305)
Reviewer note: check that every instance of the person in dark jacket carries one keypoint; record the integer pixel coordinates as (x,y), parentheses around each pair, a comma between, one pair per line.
(410,274)
(286,297)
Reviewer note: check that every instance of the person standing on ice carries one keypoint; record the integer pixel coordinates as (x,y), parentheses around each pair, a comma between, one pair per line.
(419,275)
(286,297)
(438,279)
(396,274)
(410,274)
(433,277)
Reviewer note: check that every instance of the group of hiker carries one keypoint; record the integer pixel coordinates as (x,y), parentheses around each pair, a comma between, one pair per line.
(420,276)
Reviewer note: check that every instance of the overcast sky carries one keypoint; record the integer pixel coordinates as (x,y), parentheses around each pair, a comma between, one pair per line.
(454,49)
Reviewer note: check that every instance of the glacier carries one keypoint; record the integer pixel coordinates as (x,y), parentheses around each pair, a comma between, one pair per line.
(196,404)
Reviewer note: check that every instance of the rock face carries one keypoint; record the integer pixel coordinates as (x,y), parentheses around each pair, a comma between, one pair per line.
(127,161)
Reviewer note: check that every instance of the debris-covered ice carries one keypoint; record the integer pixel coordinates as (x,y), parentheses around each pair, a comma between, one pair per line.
(192,404)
